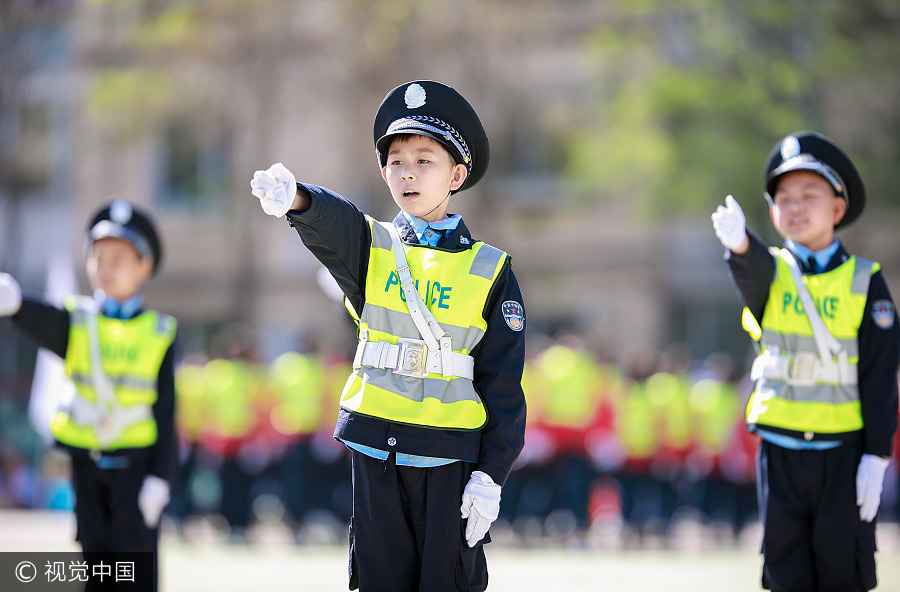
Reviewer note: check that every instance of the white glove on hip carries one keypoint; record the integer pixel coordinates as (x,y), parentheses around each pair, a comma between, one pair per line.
(730,224)
(10,295)
(276,189)
(869,480)
(152,499)
(480,504)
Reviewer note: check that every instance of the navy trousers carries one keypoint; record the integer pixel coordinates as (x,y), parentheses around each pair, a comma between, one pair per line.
(813,539)
(406,533)
(107,516)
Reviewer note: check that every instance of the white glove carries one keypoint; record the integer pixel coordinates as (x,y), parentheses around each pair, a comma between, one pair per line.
(276,189)
(480,504)
(152,499)
(869,480)
(10,295)
(730,224)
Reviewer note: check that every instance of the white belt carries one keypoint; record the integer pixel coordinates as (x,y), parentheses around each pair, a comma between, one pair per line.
(410,357)
(803,369)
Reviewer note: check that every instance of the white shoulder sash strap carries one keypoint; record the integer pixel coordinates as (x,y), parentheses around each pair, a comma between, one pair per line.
(107,417)
(434,335)
(827,345)
(830,349)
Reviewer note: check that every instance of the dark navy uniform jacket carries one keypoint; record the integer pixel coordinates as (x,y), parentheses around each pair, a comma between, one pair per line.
(48,327)
(336,232)
(879,349)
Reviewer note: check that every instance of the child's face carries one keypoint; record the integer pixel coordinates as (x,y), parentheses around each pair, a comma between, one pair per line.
(421,174)
(805,209)
(115,267)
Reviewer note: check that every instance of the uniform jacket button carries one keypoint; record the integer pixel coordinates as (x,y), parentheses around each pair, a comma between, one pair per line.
(807,436)
(392,441)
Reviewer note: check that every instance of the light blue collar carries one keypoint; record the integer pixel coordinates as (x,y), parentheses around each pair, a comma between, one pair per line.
(421,227)
(117,309)
(822,257)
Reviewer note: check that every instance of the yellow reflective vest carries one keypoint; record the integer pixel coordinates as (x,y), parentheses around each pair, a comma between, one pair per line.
(822,408)
(112,405)
(455,286)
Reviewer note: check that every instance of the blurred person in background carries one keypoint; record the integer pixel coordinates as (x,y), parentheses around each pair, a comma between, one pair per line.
(714,407)
(433,412)
(825,400)
(118,422)
(643,498)
(569,377)
(191,414)
(667,391)
(232,433)
(296,382)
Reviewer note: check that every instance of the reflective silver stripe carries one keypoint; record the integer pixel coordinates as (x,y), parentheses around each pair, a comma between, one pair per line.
(401,325)
(798,343)
(123,381)
(381,239)
(862,275)
(485,261)
(811,394)
(803,369)
(79,316)
(87,414)
(417,389)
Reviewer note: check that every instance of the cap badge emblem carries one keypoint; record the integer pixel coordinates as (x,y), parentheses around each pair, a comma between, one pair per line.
(120,211)
(790,148)
(414,96)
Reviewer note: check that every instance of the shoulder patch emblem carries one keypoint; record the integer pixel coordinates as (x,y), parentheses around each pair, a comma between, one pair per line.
(514,315)
(883,313)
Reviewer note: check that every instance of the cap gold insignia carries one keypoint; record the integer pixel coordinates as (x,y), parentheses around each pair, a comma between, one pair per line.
(414,96)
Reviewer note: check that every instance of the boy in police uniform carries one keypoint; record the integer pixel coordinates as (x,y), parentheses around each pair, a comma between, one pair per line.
(825,399)
(433,412)
(118,424)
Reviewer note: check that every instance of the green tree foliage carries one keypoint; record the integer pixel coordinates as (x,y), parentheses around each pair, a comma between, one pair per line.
(691,96)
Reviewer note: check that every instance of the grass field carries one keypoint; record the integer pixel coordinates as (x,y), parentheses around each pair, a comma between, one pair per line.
(270,563)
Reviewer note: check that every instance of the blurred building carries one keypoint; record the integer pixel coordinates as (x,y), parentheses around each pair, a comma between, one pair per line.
(180,127)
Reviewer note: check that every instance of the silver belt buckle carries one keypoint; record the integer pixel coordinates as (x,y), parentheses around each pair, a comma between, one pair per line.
(411,359)
(803,368)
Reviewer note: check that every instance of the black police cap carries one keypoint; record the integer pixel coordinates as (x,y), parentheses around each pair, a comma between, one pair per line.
(811,151)
(123,221)
(435,110)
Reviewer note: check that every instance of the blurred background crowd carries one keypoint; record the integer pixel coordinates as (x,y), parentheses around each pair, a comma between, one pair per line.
(616,127)
(617,451)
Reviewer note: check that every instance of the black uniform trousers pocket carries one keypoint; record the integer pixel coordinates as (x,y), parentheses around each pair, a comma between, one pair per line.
(471,571)
(406,532)
(865,554)
(351,567)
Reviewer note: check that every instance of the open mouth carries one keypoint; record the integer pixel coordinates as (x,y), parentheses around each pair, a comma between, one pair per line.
(410,194)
